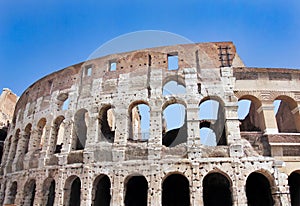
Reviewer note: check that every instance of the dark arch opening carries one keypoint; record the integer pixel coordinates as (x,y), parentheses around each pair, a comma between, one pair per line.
(75,193)
(80,128)
(176,191)
(216,190)
(29,193)
(51,194)
(294,183)
(258,190)
(12,193)
(136,191)
(106,122)
(102,191)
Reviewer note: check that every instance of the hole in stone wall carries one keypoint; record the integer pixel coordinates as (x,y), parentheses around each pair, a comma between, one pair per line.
(173,61)
(174,131)
(12,193)
(101,191)
(113,65)
(27,137)
(173,88)
(136,191)
(63,101)
(258,190)
(216,190)
(29,192)
(176,191)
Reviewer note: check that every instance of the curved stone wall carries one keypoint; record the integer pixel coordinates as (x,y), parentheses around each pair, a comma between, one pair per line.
(76,138)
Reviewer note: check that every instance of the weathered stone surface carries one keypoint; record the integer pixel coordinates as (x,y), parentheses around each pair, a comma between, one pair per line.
(76,134)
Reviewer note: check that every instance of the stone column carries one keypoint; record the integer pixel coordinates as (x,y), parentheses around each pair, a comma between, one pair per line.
(270,123)
(45,145)
(121,134)
(117,189)
(154,190)
(86,190)
(195,189)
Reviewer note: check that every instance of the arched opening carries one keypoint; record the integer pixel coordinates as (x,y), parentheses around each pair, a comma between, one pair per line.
(258,190)
(139,114)
(136,191)
(15,144)
(101,191)
(107,123)
(81,121)
(212,122)
(11,196)
(49,192)
(72,191)
(249,113)
(63,101)
(287,114)
(29,192)
(176,191)
(294,183)
(174,87)
(174,131)
(216,190)
(58,134)
(41,133)
(27,138)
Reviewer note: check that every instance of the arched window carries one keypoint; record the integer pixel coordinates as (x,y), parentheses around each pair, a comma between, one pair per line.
(81,121)
(29,192)
(174,131)
(251,118)
(174,87)
(41,133)
(27,138)
(176,191)
(72,191)
(101,191)
(212,122)
(258,190)
(136,191)
(216,190)
(294,183)
(287,114)
(58,134)
(107,124)
(139,114)
(49,192)
(11,196)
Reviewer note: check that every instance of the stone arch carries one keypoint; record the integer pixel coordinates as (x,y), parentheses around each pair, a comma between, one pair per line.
(217,189)
(175,190)
(139,120)
(173,85)
(174,131)
(72,191)
(27,135)
(12,192)
(107,123)
(254,121)
(294,184)
(7,146)
(29,192)
(15,144)
(287,116)
(258,189)
(136,190)
(41,132)
(101,191)
(212,114)
(81,123)
(57,134)
(48,192)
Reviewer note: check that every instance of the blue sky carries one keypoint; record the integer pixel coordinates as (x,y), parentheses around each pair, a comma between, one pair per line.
(40,37)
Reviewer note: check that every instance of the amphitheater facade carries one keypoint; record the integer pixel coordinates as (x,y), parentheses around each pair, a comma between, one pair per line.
(76,139)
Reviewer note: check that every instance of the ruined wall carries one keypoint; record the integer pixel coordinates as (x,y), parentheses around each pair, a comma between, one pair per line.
(8,101)
(72,133)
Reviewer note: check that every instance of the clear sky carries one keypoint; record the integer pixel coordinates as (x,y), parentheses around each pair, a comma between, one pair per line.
(40,37)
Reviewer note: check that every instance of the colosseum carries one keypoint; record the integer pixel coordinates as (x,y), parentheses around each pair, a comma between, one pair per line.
(77,136)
